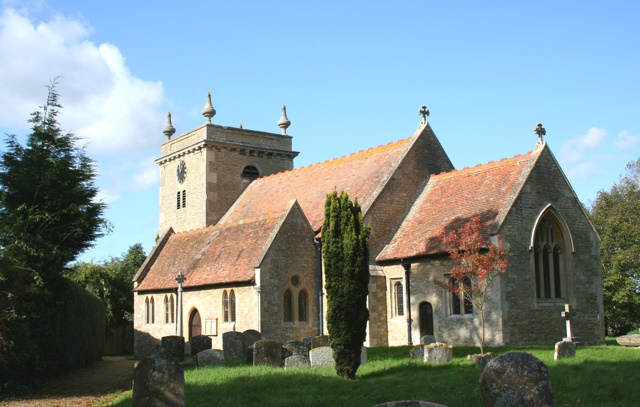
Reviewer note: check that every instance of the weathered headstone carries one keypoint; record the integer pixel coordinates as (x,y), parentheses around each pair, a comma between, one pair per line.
(410,403)
(307,341)
(481,360)
(629,340)
(417,352)
(296,361)
(318,341)
(267,352)
(321,357)
(158,380)
(564,350)
(232,345)
(200,343)
(210,357)
(438,353)
(428,340)
(174,345)
(285,354)
(516,379)
(297,348)
(363,356)
(249,337)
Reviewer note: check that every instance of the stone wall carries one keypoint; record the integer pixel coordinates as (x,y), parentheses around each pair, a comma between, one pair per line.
(377,334)
(291,254)
(528,320)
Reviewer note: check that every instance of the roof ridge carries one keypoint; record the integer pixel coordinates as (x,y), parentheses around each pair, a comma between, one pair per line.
(335,159)
(483,167)
(195,229)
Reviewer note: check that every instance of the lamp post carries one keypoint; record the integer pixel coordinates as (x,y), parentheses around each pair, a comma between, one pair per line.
(180,278)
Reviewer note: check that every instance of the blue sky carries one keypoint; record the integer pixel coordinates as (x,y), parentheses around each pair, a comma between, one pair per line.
(352,74)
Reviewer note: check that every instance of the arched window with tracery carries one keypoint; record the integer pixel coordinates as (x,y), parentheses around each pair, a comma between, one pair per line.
(548,259)
(287,306)
(302,306)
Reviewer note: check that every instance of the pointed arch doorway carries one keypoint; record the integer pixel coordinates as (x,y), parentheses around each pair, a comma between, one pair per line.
(425,312)
(195,324)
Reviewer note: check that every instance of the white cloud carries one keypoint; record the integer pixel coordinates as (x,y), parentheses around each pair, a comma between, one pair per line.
(147,175)
(106,197)
(573,151)
(104,103)
(626,140)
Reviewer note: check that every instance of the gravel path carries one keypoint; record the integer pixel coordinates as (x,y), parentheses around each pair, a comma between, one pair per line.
(84,387)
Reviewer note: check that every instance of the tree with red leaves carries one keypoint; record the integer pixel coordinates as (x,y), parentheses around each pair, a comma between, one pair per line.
(480,263)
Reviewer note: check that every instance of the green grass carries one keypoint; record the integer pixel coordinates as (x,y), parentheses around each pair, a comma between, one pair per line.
(604,375)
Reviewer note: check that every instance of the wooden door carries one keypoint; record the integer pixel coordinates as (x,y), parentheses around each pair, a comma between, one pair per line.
(426,319)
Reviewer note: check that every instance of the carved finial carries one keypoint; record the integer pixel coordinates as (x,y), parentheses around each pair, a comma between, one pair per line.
(208,110)
(168,128)
(424,113)
(284,122)
(540,131)
(240,126)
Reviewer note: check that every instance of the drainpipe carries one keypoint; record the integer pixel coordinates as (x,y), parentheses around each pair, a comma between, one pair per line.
(318,284)
(407,277)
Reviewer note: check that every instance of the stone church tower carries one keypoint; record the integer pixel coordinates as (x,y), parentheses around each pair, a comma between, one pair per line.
(204,171)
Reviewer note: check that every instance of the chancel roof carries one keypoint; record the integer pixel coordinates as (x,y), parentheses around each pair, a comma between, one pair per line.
(451,199)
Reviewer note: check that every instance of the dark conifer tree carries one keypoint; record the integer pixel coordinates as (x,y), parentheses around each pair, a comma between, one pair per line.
(345,252)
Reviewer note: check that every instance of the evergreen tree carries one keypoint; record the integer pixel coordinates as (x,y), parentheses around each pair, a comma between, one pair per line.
(48,212)
(616,215)
(345,252)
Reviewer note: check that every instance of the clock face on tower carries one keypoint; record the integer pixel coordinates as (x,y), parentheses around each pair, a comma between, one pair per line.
(182,171)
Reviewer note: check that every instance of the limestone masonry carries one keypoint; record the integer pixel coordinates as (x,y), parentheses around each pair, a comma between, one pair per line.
(243,227)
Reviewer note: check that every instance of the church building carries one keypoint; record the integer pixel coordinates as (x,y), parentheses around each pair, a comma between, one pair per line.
(241,227)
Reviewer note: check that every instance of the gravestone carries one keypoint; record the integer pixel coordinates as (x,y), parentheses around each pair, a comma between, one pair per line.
(428,340)
(297,348)
(629,340)
(200,343)
(481,360)
(318,341)
(174,345)
(232,345)
(307,341)
(158,380)
(567,314)
(267,352)
(285,354)
(363,356)
(516,379)
(417,352)
(296,361)
(250,354)
(438,353)
(321,357)
(249,337)
(564,350)
(410,403)
(210,357)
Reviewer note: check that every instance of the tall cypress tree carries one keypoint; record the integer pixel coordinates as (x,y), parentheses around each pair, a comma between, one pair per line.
(345,252)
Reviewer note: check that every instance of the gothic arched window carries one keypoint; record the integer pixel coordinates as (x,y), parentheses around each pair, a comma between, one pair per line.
(225,305)
(153,310)
(172,309)
(302,306)
(147,315)
(232,305)
(287,306)
(548,259)
(399,298)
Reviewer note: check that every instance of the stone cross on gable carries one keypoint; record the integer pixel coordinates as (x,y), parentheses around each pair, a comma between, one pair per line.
(540,131)
(567,316)
(424,113)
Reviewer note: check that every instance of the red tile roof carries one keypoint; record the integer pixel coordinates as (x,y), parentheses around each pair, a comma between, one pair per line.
(213,255)
(451,199)
(361,175)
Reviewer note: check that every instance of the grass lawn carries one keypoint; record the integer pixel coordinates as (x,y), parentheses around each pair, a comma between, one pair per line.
(607,375)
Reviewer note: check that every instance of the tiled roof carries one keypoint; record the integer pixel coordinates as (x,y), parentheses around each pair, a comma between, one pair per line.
(361,175)
(451,199)
(212,255)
